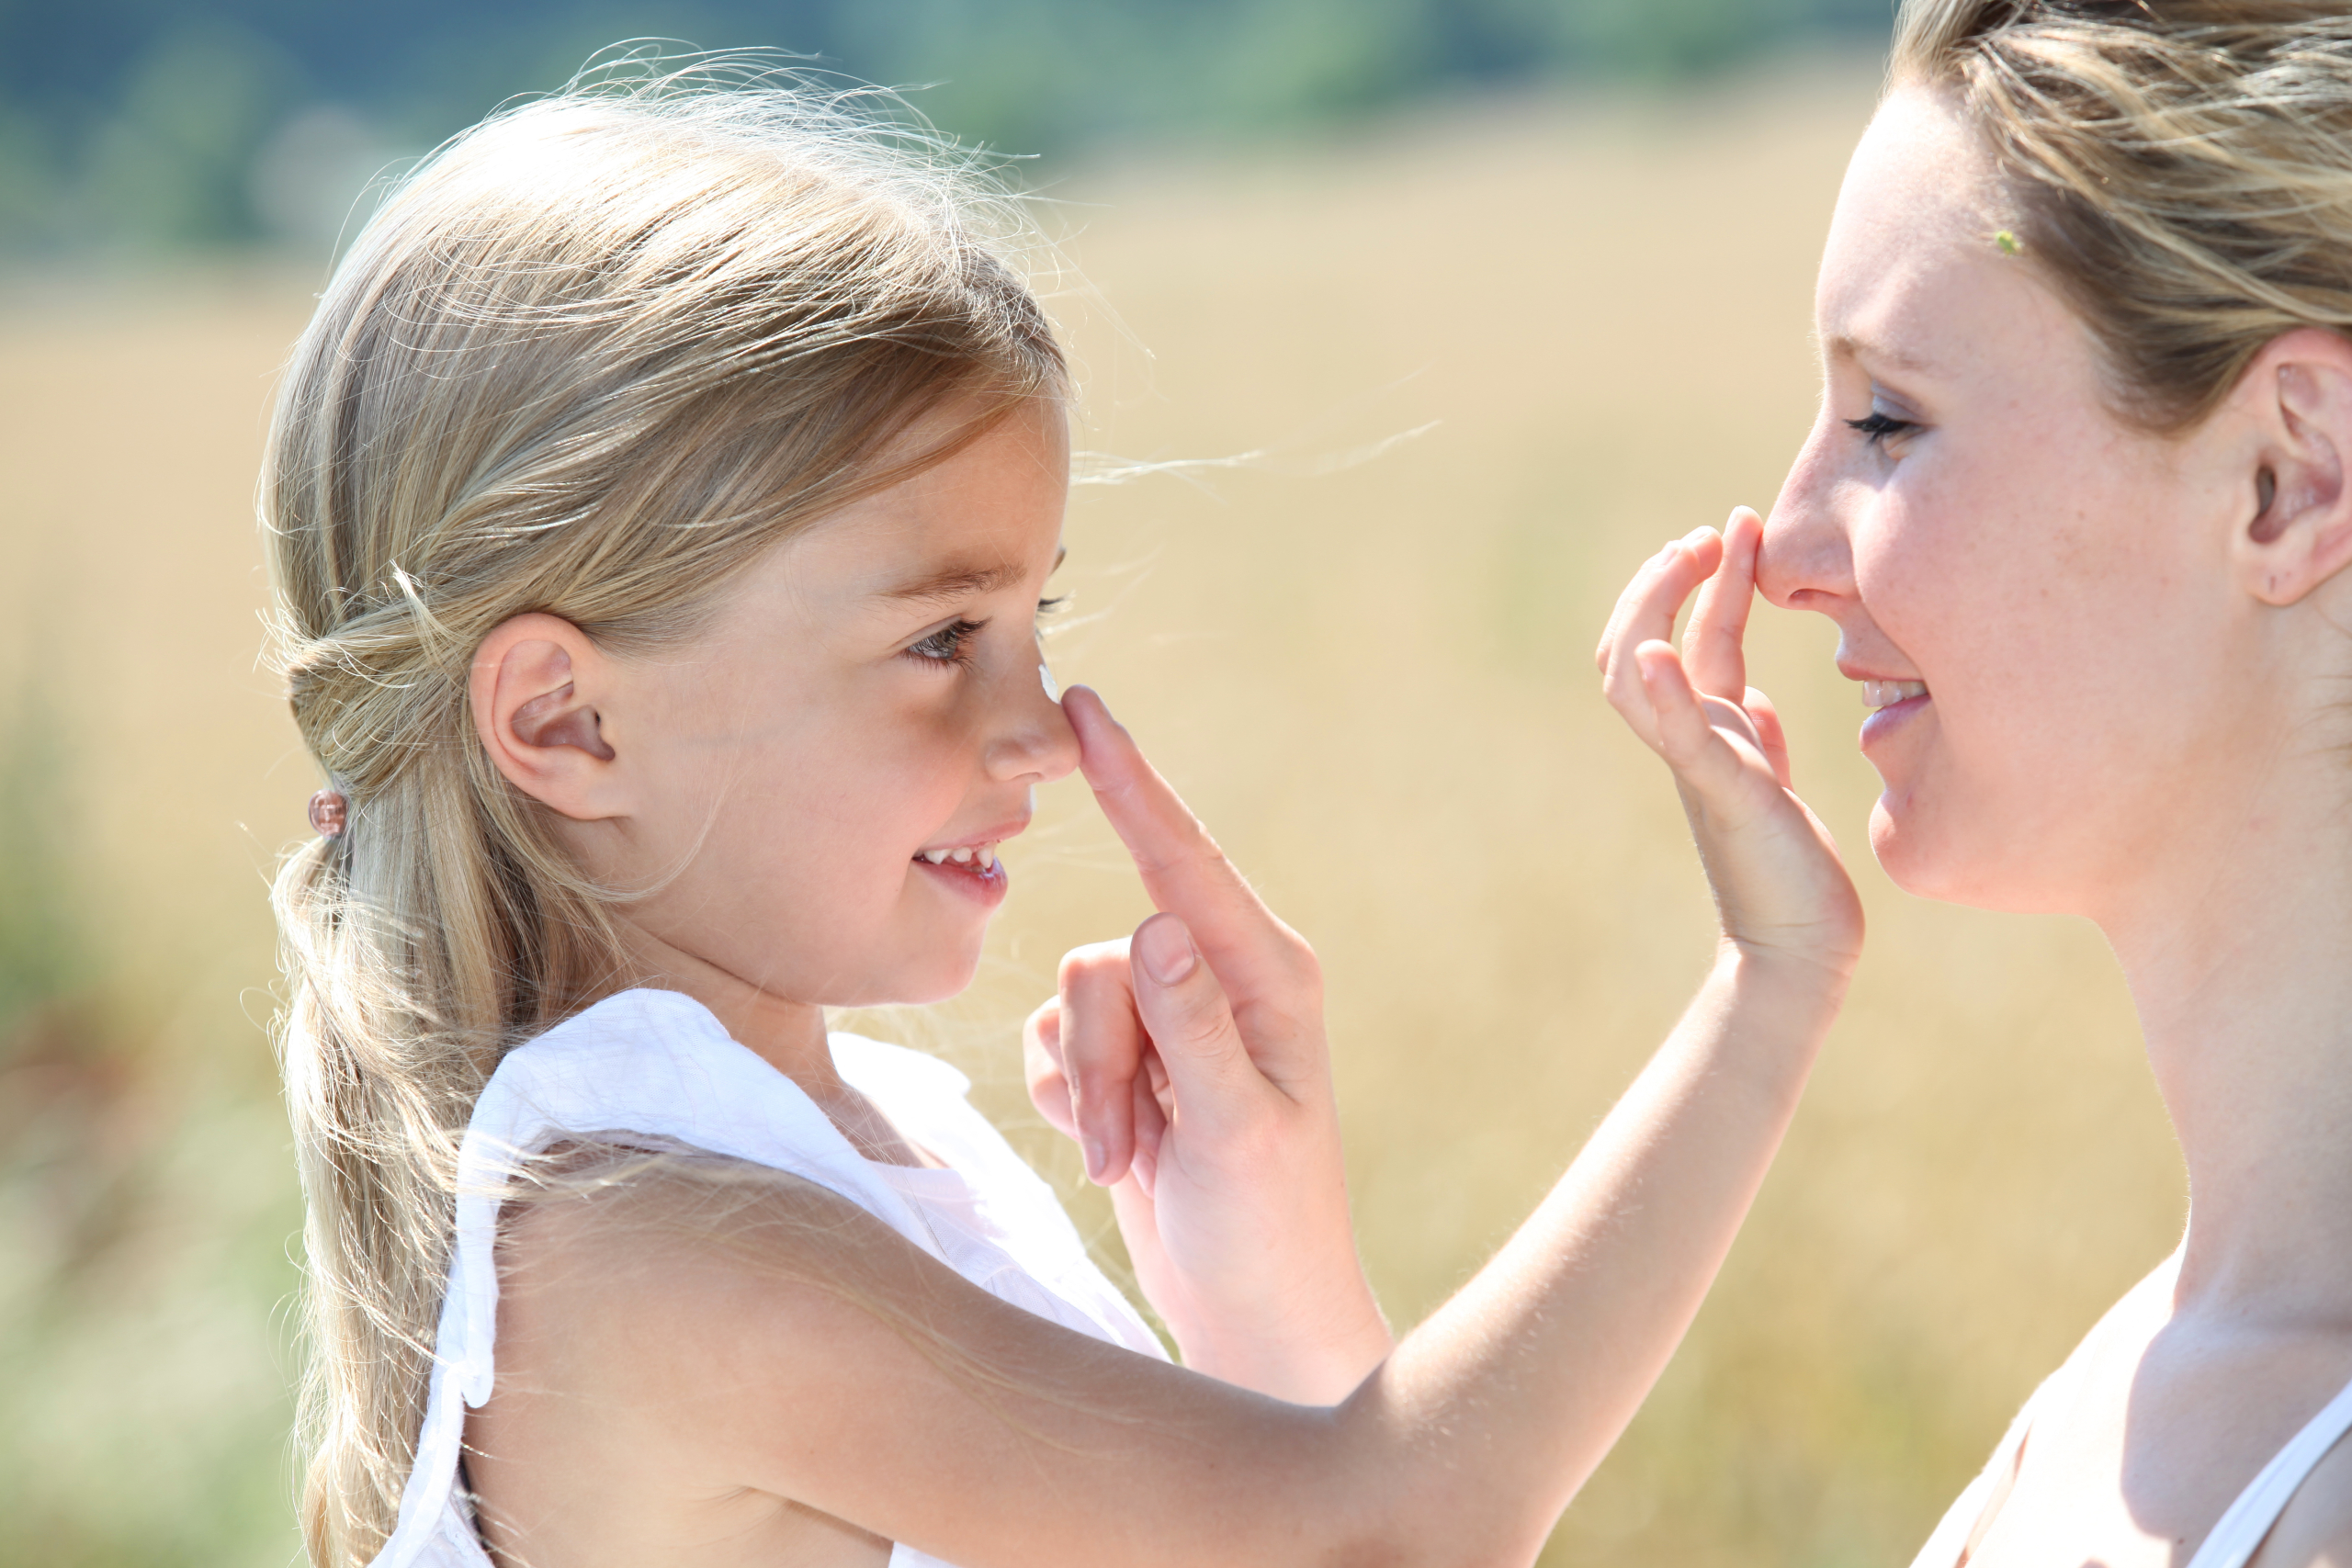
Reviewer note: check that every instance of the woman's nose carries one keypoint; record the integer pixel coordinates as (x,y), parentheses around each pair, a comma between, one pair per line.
(1034,740)
(1806,561)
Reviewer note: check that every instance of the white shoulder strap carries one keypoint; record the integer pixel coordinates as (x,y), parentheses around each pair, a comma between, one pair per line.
(644,1061)
(2241,1528)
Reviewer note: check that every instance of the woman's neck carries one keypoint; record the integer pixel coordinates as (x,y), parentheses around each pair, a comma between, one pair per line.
(2239,953)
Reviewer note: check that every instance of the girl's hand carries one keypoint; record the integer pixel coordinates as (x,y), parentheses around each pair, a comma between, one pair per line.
(1189,1061)
(1781,891)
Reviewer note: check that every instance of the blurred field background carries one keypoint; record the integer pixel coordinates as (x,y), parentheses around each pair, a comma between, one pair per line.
(1482,321)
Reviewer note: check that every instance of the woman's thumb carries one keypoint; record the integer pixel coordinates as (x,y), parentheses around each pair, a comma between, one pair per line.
(1184,1010)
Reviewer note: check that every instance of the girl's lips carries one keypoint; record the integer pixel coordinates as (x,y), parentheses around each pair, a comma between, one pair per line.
(1884,722)
(985,885)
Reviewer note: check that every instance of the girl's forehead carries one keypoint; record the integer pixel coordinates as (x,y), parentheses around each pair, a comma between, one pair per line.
(981,521)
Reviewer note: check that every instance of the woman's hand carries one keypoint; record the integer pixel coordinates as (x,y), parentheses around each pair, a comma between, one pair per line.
(1189,1061)
(1781,891)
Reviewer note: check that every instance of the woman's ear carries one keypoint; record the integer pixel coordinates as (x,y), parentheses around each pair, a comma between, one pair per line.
(539,686)
(2296,505)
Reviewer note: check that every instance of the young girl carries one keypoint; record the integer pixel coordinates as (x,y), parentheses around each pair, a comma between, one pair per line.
(660,505)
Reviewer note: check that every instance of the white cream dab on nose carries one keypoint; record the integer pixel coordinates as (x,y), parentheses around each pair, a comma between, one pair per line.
(1046,679)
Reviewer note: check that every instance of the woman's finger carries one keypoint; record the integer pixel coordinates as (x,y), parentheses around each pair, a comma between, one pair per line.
(1102,1047)
(1190,1022)
(1150,1123)
(1041,1065)
(1714,654)
(1184,871)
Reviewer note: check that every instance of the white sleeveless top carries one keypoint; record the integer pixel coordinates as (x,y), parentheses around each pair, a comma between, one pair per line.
(2236,1536)
(658,1063)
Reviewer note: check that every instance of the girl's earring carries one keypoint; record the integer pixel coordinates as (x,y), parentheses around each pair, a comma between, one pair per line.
(2265,527)
(328,811)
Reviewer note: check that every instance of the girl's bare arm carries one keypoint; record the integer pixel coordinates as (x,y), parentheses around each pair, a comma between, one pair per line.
(797,1347)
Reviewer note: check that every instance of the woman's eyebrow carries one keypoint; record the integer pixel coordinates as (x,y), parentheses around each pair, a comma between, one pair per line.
(1844,345)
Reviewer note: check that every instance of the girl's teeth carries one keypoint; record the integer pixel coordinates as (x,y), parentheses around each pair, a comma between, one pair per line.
(1887,694)
(982,856)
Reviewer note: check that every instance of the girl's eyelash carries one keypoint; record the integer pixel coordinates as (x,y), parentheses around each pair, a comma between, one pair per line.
(951,644)
(1876,426)
(1054,605)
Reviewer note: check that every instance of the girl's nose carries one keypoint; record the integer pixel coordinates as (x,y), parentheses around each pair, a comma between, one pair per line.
(1806,562)
(1034,741)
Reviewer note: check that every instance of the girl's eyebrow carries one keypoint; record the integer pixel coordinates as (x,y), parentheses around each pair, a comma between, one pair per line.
(959,581)
(950,584)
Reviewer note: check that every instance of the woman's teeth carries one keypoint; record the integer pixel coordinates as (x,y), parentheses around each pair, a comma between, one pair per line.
(983,856)
(1887,694)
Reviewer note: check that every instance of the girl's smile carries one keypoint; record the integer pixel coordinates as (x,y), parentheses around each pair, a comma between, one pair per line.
(814,791)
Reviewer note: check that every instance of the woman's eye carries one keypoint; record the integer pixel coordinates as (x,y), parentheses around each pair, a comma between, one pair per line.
(1876,426)
(951,644)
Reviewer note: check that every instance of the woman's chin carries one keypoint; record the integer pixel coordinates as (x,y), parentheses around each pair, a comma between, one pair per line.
(1911,855)
(1933,860)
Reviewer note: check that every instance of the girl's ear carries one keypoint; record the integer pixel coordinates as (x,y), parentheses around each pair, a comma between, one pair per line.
(2296,505)
(539,686)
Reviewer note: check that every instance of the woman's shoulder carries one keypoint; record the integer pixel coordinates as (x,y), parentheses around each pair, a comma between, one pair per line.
(2315,1529)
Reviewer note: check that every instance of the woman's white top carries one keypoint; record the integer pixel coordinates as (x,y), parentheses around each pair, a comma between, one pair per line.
(657,1063)
(2236,1536)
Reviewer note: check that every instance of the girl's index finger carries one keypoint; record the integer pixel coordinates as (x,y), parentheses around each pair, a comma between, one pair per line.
(1182,869)
(1713,651)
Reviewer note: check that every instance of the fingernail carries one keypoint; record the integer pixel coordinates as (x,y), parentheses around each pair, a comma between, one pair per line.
(1092,1149)
(1167,946)
(1697,536)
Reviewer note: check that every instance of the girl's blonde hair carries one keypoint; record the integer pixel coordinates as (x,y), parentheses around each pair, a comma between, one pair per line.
(2181,171)
(590,358)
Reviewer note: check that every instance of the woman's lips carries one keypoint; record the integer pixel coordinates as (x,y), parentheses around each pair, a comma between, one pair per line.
(1908,699)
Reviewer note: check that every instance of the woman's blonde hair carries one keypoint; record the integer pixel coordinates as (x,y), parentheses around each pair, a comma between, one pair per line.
(2181,169)
(591,359)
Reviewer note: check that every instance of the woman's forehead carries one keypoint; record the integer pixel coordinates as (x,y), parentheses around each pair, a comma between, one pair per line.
(1918,273)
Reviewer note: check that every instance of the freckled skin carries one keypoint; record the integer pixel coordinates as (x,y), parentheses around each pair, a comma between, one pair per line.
(2012,551)
(2136,713)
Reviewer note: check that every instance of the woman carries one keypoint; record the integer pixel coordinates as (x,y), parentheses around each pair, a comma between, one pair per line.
(2077,502)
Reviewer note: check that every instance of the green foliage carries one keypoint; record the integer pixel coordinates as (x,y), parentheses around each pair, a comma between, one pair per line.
(127,124)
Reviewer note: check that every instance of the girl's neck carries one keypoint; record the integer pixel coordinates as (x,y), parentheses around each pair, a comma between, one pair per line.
(2239,953)
(789,1035)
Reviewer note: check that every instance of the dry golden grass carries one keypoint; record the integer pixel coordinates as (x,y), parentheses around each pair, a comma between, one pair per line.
(1373,681)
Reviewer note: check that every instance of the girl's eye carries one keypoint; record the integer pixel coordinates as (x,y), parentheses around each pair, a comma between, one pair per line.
(1876,427)
(1053,607)
(951,644)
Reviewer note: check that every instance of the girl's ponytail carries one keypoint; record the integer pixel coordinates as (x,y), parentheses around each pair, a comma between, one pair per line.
(592,358)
